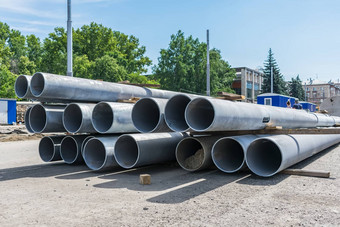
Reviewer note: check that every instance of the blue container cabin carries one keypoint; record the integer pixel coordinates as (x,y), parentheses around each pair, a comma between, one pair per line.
(272,99)
(8,111)
(308,106)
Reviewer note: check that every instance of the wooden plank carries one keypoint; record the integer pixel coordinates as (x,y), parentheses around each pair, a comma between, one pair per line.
(145,179)
(309,173)
(273,127)
(230,96)
(133,100)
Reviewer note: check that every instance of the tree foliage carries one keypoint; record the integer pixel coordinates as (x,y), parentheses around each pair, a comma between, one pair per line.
(279,85)
(182,67)
(296,89)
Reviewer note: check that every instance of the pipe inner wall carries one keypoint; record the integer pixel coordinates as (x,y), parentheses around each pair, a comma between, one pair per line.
(46,149)
(94,154)
(264,157)
(37,118)
(199,115)
(126,151)
(102,117)
(27,120)
(37,84)
(72,118)
(69,149)
(175,113)
(190,154)
(21,86)
(228,155)
(146,115)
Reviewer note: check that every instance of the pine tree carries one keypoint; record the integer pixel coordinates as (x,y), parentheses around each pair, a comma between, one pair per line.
(279,85)
(296,89)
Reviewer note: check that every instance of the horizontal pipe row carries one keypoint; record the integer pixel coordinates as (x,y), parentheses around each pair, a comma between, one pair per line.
(264,155)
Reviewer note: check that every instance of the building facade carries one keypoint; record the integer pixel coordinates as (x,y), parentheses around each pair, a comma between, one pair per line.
(317,92)
(248,82)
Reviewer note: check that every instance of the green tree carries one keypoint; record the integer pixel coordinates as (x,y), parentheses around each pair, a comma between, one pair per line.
(7,80)
(82,67)
(279,85)
(95,41)
(34,49)
(296,89)
(54,52)
(25,66)
(182,67)
(107,69)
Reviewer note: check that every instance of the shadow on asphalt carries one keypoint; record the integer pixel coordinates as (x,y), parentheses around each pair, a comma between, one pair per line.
(41,170)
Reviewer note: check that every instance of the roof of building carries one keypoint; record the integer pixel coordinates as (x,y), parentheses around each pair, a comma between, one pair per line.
(274,94)
(255,70)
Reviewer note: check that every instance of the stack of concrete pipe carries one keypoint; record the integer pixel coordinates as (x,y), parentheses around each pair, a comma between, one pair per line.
(157,128)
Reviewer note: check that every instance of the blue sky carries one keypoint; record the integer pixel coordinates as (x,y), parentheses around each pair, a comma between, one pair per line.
(303,34)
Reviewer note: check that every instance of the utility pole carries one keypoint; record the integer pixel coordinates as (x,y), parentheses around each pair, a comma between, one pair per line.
(271,80)
(208,65)
(69,39)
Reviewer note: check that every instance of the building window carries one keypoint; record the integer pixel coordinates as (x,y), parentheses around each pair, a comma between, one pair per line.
(314,88)
(307,88)
(268,101)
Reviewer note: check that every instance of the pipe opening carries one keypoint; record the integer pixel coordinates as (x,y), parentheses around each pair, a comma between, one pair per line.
(190,154)
(102,117)
(264,157)
(37,84)
(27,120)
(37,118)
(146,115)
(94,154)
(228,155)
(72,118)
(69,150)
(126,151)
(174,113)
(199,114)
(84,143)
(46,149)
(21,86)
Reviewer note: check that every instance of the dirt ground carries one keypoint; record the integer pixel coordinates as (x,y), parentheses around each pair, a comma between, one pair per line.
(33,193)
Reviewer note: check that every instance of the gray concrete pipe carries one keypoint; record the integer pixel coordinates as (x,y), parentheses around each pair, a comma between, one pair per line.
(194,153)
(84,142)
(269,155)
(99,153)
(324,120)
(174,112)
(228,153)
(203,114)
(47,118)
(70,149)
(27,120)
(133,150)
(148,115)
(50,86)
(77,118)
(22,87)
(336,120)
(113,117)
(49,148)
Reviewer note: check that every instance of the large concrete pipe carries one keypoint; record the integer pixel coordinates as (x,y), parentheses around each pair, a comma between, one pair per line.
(174,112)
(49,148)
(203,114)
(194,153)
(336,120)
(324,120)
(84,142)
(50,86)
(228,153)
(113,117)
(22,87)
(267,156)
(133,150)
(47,118)
(77,118)
(99,153)
(27,120)
(70,149)
(148,115)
